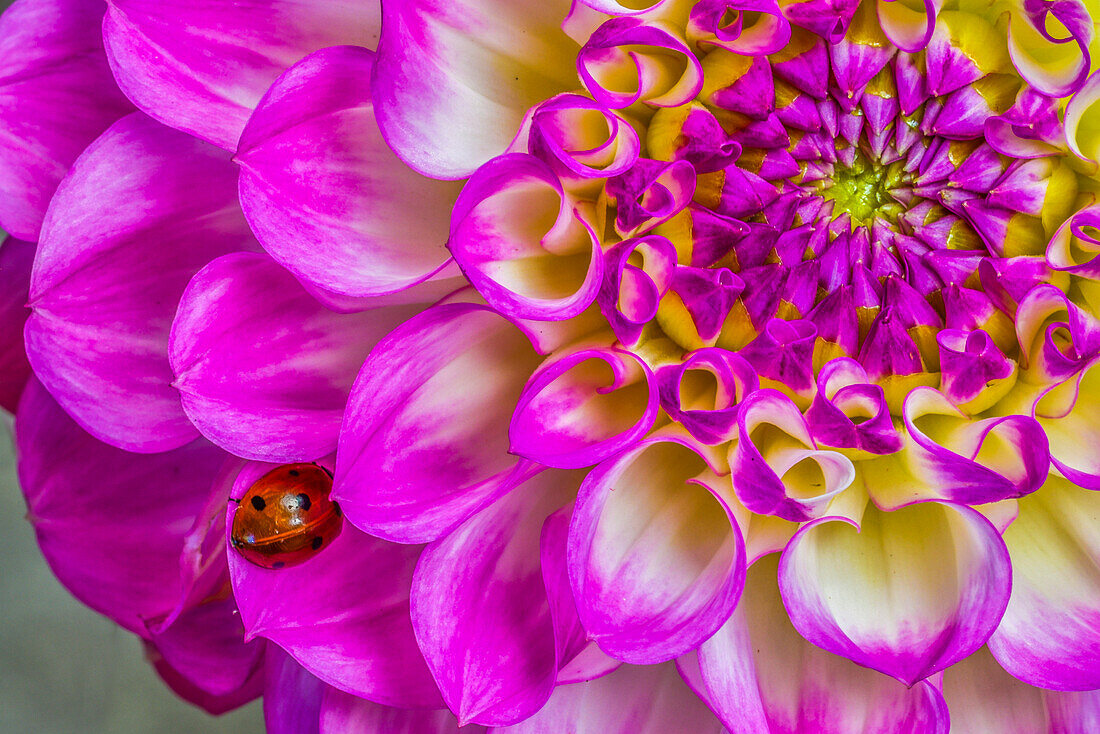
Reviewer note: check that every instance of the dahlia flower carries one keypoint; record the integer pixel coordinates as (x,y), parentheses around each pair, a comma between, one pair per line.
(630,366)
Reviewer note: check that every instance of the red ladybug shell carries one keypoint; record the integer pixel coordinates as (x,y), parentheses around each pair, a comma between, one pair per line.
(286,517)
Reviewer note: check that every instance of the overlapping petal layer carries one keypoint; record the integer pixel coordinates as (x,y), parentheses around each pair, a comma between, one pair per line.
(736,360)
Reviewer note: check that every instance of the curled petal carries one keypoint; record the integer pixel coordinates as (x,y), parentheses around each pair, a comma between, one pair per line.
(519,241)
(909,23)
(649,193)
(1074,247)
(975,373)
(973,461)
(702,392)
(1083,120)
(635,699)
(844,396)
(710,25)
(1053,64)
(631,292)
(783,355)
(324,193)
(582,139)
(628,60)
(424,443)
(177,62)
(116,253)
(760,675)
(1048,636)
(827,18)
(777,469)
(480,609)
(584,407)
(251,385)
(1067,414)
(111,524)
(876,594)
(452,83)
(656,560)
(1057,337)
(343,614)
(56,96)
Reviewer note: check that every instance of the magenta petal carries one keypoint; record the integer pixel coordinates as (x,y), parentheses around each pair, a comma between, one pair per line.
(343,713)
(139,213)
(424,442)
(774,476)
(202,67)
(16,258)
(480,610)
(56,96)
(452,83)
(323,192)
(656,560)
(111,524)
(292,695)
(343,614)
(761,676)
(879,597)
(1049,634)
(206,645)
(214,704)
(521,242)
(250,384)
(984,699)
(646,699)
(584,407)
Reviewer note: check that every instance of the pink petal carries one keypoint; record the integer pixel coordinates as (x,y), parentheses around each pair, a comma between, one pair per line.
(646,699)
(1049,634)
(323,192)
(480,609)
(760,675)
(251,385)
(16,258)
(521,242)
(424,443)
(292,695)
(584,407)
(110,523)
(343,614)
(984,699)
(451,83)
(876,594)
(656,560)
(140,212)
(342,713)
(777,468)
(56,96)
(202,67)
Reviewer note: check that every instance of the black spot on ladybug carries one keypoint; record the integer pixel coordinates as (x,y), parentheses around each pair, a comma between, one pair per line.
(293,472)
(316,543)
(336,509)
(303,502)
(259,504)
(277,564)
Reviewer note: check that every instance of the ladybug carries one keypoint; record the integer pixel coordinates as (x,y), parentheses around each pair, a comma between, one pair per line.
(286,517)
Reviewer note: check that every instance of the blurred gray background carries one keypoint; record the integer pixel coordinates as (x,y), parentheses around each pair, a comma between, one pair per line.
(63,668)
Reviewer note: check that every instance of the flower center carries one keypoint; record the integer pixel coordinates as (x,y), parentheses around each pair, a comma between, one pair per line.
(863,191)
